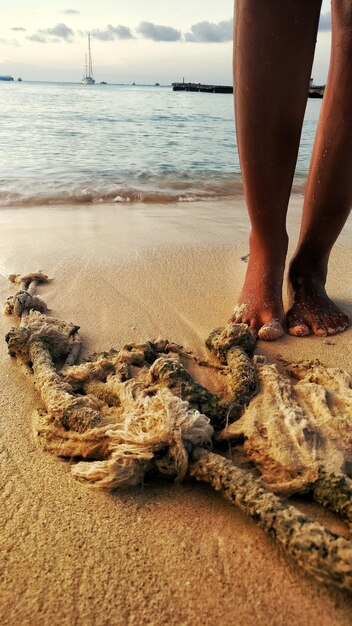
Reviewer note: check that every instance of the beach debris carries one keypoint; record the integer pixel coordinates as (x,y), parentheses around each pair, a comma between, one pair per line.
(125,414)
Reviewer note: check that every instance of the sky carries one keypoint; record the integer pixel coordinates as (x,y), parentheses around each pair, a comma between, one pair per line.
(145,41)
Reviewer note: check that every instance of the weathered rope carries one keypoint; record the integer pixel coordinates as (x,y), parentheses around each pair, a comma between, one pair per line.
(25,299)
(139,410)
(319,552)
(300,436)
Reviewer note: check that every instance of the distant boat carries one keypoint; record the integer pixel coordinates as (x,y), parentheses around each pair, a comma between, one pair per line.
(88,77)
(6,78)
(19,79)
(103,82)
(157,85)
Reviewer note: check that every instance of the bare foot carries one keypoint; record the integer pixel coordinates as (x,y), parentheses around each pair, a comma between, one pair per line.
(260,303)
(312,311)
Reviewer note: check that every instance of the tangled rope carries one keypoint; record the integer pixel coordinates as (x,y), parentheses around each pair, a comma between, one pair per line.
(138,410)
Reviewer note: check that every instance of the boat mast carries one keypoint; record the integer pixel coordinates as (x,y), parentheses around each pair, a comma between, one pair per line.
(90,68)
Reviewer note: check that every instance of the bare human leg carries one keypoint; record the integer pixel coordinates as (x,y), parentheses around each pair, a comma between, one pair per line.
(328,198)
(273,56)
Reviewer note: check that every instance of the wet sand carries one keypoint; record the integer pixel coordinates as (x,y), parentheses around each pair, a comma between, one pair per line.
(161,554)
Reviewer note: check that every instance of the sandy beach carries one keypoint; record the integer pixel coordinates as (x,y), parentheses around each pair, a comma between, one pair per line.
(161,554)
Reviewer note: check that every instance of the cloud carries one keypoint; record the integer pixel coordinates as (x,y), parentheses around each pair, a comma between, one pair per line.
(70,11)
(325,22)
(110,33)
(158,33)
(18,28)
(211,32)
(58,33)
(60,30)
(41,39)
(10,42)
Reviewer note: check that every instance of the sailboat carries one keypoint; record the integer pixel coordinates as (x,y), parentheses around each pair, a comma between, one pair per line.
(88,77)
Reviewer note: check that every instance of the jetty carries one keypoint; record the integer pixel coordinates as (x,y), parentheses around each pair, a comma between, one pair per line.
(314,91)
(202,88)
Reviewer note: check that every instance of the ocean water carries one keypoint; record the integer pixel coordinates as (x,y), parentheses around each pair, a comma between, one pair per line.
(68,143)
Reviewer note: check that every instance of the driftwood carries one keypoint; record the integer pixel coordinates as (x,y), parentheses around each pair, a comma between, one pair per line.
(138,410)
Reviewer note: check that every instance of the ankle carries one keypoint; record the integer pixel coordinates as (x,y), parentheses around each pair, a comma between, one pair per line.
(305,270)
(269,251)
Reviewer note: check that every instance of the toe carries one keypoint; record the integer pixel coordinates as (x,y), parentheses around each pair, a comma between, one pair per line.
(271,331)
(330,325)
(345,320)
(336,323)
(242,315)
(299,330)
(238,314)
(254,326)
(297,325)
(318,325)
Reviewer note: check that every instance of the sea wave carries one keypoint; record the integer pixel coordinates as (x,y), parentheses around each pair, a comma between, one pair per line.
(118,196)
(126,194)
(177,191)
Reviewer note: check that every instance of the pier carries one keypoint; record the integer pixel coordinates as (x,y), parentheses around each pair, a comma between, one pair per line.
(314,91)
(202,88)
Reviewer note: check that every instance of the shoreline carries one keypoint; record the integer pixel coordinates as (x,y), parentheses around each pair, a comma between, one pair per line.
(149,555)
(165,191)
